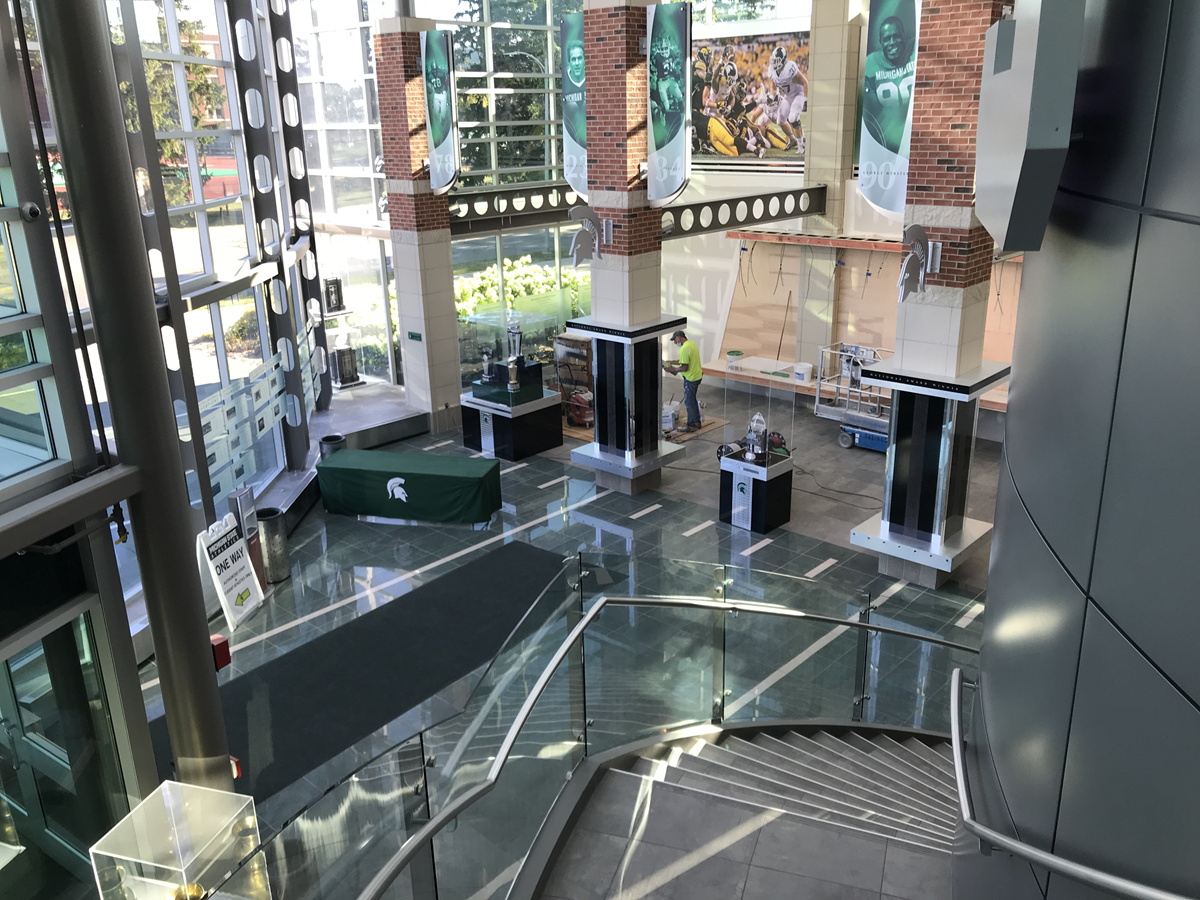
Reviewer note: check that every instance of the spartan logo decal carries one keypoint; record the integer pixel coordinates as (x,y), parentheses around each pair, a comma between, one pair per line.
(396,490)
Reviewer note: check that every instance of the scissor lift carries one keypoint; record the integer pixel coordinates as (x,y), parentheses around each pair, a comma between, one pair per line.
(863,411)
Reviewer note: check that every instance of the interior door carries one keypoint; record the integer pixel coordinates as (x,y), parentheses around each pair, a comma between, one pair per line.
(58,771)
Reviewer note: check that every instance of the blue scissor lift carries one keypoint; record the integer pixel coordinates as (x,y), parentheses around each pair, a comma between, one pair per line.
(862,410)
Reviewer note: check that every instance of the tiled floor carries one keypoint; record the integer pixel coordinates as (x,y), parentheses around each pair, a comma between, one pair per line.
(343,567)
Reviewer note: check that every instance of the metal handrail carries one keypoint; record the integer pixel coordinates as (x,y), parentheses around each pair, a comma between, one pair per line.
(383,879)
(1113,884)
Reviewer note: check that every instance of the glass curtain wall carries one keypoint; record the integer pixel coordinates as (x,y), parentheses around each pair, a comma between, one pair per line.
(508,80)
(529,271)
(186,53)
(335,66)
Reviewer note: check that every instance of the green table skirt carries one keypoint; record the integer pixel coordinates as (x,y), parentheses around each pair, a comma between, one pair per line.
(410,486)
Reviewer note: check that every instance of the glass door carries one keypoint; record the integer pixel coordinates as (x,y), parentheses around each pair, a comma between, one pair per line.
(60,785)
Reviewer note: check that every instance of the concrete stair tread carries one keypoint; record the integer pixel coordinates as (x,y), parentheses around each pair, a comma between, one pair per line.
(943,764)
(780,755)
(862,765)
(742,770)
(899,758)
(681,779)
(915,754)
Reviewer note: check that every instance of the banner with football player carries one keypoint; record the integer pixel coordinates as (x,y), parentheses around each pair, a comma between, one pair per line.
(889,73)
(749,97)
(574,105)
(441,109)
(670,158)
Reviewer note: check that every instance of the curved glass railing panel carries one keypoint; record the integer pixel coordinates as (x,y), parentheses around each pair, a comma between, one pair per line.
(794,669)
(479,856)
(646,670)
(461,749)
(658,646)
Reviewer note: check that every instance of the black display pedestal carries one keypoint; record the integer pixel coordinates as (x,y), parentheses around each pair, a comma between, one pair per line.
(755,497)
(512,433)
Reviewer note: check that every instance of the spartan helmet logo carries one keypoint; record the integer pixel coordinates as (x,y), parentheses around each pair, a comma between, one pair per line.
(396,490)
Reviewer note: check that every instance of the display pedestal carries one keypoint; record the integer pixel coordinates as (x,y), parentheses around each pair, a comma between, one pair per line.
(180,842)
(756,497)
(923,533)
(627,403)
(512,432)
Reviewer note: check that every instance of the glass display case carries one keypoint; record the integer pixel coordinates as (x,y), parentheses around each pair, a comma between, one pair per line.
(176,844)
(486,345)
(756,448)
(506,359)
(344,343)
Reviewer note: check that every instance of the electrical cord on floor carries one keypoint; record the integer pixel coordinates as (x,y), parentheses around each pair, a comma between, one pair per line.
(803,490)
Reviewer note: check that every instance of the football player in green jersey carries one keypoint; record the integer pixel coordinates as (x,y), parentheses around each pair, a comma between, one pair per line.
(887,87)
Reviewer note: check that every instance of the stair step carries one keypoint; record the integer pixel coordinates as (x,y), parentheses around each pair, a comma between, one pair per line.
(946,751)
(913,758)
(858,778)
(897,761)
(943,764)
(776,753)
(682,778)
(872,770)
(744,770)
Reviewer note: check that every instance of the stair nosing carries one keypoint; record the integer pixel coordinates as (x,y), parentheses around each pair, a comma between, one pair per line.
(910,791)
(825,823)
(891,822)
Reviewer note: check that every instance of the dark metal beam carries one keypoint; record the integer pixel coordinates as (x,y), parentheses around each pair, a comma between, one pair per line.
(723,213)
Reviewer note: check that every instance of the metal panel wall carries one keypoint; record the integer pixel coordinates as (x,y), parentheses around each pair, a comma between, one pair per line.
(1032,631)
(1131,783)
(1147,532)
(1084,707)
(1173,184)
(1116,97)
(1065,359)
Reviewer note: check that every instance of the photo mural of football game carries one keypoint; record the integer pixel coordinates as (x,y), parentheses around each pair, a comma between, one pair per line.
(749,97)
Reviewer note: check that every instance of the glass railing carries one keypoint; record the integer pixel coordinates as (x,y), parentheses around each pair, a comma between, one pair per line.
(613,651)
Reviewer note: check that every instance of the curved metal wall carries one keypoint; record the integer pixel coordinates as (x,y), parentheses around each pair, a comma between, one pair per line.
(1088,711)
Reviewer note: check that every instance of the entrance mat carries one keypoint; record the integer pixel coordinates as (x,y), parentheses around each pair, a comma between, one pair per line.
(299,710)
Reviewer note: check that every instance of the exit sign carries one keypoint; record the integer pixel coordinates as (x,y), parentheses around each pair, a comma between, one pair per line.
(414,335)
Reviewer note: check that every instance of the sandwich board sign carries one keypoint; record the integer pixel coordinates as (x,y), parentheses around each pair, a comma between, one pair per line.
(226,560)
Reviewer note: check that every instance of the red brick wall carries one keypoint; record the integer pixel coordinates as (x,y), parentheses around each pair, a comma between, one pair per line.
(405,142)
(616,97)
(616,112)
(941,167)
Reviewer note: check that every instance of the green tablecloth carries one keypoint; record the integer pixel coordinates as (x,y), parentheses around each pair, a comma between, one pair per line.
(410,486)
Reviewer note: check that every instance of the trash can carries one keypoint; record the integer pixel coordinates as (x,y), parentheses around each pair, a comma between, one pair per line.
(331,444)
(272,533)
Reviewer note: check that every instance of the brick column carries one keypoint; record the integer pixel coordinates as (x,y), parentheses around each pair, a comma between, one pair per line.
(626,323)
(923,532)
(420,223)
(625,282)
(940,332)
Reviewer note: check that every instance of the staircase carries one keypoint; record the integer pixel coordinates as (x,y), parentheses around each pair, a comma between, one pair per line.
(768,817)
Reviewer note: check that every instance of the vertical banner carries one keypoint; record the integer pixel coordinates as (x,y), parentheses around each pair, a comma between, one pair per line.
(888,77)
(670,142)
(574,105)
(441,109)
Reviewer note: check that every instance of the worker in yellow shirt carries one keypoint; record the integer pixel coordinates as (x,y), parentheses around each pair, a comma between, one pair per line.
(689,366)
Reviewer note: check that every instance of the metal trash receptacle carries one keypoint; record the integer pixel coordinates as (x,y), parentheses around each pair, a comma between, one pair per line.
(331,444)
(272,533)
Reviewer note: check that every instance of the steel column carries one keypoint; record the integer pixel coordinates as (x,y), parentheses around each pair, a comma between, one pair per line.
(254,101)
(296,161)
(78,58)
